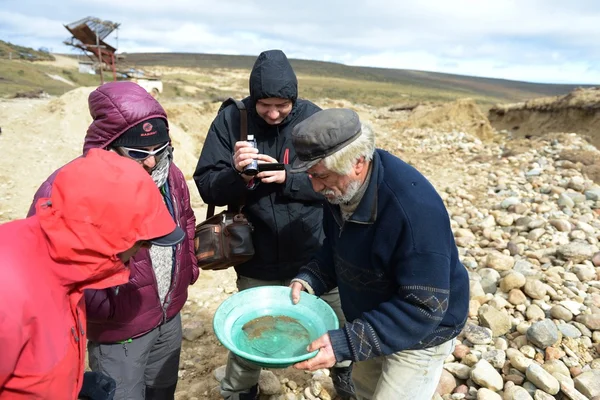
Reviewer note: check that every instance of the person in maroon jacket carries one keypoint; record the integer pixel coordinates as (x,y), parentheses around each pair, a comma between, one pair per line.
(134,330)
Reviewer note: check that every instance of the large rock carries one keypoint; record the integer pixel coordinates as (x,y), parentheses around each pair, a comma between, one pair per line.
(460,371)
(513,280)
(591,321)
(567,386)
(526,268)
(561,312)
(447,383)
(569,331)
(268,383)
(588,383)
(585,272)
(596,259)
(543,333)
(517,393)
(561,225)
(219,373)
(565,201)
(593,193)
(518,360)
(535,313)
(573,306)
(540,395)
(475,289)
(477,334)
(577,251)
(542,379)
(556,367)
(486,376)
(487,394)
(535,289)
(495,357)
(192,330)
(499,261)
(497,321)
(516,297)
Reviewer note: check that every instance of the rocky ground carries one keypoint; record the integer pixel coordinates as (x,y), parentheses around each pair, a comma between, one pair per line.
(527,228)
(526,223)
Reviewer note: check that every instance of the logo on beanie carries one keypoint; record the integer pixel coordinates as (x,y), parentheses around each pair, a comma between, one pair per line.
(147,127)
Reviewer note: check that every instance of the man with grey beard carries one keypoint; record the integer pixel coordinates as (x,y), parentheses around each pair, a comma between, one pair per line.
(390,250)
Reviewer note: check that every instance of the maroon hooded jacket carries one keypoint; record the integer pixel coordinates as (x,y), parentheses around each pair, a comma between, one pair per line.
(133,309)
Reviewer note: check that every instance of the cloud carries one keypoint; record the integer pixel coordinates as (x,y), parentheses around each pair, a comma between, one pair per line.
(565,72)
(535,40)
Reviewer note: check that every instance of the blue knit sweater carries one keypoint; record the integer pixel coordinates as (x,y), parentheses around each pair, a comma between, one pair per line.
(395,262)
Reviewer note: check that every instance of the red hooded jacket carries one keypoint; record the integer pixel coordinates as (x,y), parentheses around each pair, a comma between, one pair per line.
(100,206)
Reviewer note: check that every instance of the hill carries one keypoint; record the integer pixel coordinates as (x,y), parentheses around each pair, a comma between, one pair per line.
(375,84)
(28,72)
(9,50)
(195,77)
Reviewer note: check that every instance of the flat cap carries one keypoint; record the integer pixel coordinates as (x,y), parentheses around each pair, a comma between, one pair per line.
(323,134)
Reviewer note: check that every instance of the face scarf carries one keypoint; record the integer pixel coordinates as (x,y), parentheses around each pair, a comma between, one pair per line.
(160,173)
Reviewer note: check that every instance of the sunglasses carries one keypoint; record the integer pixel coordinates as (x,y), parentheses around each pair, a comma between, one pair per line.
(140,155)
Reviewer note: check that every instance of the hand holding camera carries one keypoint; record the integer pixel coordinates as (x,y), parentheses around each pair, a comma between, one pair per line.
(249,163)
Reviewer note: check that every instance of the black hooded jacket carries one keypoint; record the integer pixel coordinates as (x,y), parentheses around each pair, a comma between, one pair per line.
(287,217)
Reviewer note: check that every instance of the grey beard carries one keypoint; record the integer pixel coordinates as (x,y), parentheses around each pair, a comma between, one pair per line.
(351,190)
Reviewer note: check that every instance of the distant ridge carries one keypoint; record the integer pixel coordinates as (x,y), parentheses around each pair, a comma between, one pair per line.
(469,85)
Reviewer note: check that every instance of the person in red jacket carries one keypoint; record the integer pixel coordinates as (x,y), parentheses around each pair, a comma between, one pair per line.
(103,208)
(135,329)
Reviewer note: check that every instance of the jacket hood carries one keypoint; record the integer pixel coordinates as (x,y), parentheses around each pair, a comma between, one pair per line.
(115,107)
(273,76)
(101,205)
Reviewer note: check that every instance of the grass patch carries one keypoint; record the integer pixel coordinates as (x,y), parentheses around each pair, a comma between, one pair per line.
(24,76)
(81,79)
(378,94)
(23,53)
(422,84)
(372,86)
(18,76)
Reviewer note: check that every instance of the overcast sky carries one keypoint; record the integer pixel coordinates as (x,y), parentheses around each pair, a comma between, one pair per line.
(553,41)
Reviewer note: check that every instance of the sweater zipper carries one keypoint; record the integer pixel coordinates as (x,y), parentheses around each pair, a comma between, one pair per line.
(175,267)
(78,341)
(337,217)
(354,222)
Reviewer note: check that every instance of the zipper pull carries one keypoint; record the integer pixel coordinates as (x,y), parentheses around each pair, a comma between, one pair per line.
(74,332)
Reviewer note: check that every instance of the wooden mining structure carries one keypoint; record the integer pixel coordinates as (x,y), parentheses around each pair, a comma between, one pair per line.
(88,35)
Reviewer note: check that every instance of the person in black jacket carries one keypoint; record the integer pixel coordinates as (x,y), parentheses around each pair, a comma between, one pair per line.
(283,207)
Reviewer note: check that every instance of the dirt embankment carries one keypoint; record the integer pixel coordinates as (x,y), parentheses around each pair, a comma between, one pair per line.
(460,115)
(578,111)
(40,135)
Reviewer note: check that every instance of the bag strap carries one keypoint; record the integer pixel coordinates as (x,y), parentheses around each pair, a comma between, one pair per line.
(243,120)
(243,137)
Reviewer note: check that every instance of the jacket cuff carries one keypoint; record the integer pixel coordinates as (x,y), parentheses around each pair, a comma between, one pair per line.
(290,185)
(229,176)
(309,280)
(340,345)
(305,284)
